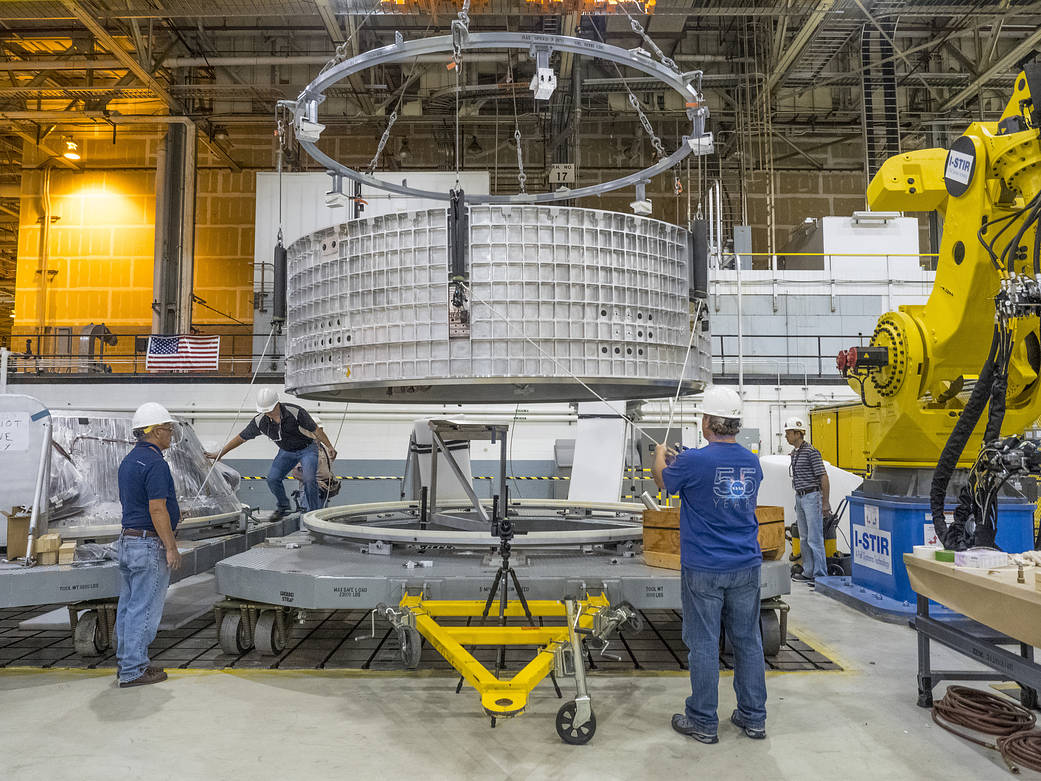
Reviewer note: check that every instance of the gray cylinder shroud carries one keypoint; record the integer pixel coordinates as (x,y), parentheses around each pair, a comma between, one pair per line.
(604,295)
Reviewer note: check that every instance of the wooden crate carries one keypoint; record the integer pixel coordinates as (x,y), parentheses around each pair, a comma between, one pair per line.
(771,531)
(661,535)
(67,552)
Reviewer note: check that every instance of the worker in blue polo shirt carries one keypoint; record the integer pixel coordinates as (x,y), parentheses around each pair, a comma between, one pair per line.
(720,561)
(147,548)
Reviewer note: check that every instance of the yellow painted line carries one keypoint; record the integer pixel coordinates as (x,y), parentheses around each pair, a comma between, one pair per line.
(355,672)
(821,647)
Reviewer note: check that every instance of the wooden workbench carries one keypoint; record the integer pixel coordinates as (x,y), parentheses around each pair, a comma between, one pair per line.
(992,597)
(1009,612)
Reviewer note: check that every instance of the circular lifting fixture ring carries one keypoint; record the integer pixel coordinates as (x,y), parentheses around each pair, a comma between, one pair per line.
(688,85)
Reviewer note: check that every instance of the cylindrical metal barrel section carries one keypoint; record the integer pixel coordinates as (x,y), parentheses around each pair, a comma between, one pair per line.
(554,295)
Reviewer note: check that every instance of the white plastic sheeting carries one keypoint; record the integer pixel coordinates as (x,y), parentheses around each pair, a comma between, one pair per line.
(88,447)
(777,490)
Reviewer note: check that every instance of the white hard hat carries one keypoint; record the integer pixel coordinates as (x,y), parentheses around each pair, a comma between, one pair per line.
(720,402)
(267,398)
(150,414)
(795,423)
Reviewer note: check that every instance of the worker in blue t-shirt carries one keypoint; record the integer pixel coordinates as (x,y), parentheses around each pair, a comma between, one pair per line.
(147,548)
(720,561)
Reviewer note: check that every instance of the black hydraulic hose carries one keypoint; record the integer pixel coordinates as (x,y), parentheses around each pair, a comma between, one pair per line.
(1037,247)
(955,444)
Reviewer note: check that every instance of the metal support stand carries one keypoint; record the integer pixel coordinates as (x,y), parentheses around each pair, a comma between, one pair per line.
(1004,665)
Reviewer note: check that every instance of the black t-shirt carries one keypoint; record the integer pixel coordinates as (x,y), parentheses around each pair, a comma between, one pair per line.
(288,434)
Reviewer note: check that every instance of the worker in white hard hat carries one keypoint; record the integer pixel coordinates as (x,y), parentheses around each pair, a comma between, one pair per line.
(146,547)
(293,429)
(812,500)
(720,562)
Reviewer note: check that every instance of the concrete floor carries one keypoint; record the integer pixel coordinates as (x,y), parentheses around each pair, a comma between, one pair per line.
(860,723)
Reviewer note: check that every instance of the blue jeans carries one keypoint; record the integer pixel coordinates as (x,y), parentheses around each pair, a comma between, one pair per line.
(283,465)
(809,515)
(145,575)
(733,598)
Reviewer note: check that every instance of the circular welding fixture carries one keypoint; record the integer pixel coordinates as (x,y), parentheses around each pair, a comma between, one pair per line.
(540,523)
(479,303)
(308,129)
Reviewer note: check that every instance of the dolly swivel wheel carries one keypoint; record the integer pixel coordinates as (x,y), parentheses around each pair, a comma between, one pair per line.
(87,638)
(267,636)
(574,734)
(411,646)
(233,634)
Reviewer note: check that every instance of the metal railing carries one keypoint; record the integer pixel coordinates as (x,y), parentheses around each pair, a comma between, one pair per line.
(127,353)
(818,363)
(50,354)
(825,261)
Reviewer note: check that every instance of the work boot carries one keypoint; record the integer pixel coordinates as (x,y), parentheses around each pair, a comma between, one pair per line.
(279,514)
(798,577)
(755,733)
(150,675)
(685,726)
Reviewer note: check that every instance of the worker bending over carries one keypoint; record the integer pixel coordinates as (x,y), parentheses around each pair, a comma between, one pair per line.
(812,490)
(294,431)
(720,561)
(147,549)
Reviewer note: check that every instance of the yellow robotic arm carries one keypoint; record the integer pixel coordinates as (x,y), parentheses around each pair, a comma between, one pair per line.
(922,359)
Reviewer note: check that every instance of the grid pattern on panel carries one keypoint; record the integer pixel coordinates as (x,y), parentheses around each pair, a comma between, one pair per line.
(367,301)
(604,294)
(319,320)
(398,284)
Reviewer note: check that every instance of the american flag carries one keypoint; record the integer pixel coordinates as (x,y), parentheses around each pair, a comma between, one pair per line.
(182,353)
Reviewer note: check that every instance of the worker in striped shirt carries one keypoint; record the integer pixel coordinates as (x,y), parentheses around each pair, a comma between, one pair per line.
(810,481)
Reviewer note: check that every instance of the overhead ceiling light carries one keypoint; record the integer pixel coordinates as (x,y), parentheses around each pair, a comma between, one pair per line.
(71,150)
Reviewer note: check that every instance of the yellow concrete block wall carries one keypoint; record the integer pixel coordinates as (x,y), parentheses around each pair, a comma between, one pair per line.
(99,255)
(101,249)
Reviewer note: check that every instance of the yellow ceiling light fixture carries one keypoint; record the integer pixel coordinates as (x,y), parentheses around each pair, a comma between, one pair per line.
(72,150)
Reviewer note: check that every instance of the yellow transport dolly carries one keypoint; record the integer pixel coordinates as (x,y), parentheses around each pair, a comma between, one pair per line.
(560,652)
(560,647)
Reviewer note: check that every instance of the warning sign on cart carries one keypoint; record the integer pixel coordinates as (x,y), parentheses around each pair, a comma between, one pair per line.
(873,548)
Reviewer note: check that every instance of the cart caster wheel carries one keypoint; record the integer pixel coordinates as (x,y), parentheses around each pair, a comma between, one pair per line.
(87,637)
(925,699)
(574,734)
(267,637)
(234,635)
(411,647)
(634,624)
(770,627)
(1028,697)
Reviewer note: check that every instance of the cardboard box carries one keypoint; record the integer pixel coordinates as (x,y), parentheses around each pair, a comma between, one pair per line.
(17,536)
(661,535)
(67,553)
(47,559)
